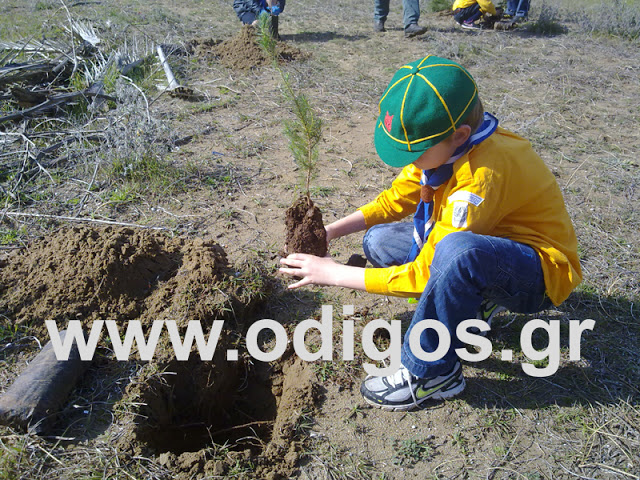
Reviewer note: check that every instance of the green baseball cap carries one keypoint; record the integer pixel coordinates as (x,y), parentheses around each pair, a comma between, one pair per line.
(425,102)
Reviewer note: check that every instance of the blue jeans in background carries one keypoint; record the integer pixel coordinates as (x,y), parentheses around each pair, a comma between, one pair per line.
(410,9)
(466,269)
(517,8)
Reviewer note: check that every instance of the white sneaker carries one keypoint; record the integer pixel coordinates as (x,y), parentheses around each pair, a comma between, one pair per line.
(404,391)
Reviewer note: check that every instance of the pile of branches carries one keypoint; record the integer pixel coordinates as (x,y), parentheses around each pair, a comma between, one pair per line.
(76,100)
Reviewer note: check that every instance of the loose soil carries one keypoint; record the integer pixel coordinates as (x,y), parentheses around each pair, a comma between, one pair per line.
(124,274)
(242,52)
(305,229)
(113,273)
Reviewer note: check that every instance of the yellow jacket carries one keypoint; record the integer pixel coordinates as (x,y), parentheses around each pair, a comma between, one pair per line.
(510,193)
(486,6)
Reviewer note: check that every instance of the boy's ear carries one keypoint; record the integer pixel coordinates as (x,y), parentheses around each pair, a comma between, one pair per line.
(462,133)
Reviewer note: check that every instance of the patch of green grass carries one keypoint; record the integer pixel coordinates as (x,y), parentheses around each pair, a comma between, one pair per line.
(410,452)
(43,5)
(322,191)
(147,174)
(548,23)
(324,370)
(8,331)
(8,236)
(9,467)
(218,181)
(145,75)
(461,441)
(500,421)
(304,423)
(122,196)
(440,5)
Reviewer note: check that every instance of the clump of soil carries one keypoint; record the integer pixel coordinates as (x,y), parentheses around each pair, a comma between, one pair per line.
(243,52)
(305,229)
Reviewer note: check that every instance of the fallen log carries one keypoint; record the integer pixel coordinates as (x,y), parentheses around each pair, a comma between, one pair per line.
(29,98)
(33,401)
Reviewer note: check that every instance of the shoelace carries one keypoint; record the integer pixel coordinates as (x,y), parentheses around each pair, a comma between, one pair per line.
(400,377)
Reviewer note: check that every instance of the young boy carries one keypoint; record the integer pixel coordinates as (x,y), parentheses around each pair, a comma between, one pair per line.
(490,226)
(466,12)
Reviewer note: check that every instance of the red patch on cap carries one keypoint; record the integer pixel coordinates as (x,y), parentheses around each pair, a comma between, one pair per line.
(388,119)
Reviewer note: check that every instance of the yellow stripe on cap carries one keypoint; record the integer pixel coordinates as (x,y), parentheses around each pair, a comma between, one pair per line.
(389,91)
(442,100)
(404,99)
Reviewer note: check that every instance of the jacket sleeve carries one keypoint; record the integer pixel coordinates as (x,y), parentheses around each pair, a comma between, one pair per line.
(397,202)
(487,6)
(463,208)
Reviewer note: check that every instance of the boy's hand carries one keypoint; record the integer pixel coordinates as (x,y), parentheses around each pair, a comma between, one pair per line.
(312,269)
(321,271)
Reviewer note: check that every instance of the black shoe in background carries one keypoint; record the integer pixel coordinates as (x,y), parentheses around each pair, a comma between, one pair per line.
(413,30)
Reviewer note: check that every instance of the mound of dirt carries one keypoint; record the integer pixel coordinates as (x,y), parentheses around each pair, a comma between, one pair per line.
(196,417)
(112,273)
(243,52)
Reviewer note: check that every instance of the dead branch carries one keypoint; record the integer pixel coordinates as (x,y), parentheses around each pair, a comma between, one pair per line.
(51,103)
(84,31)
(34,46)
(78,219)
(29,98)
(18,73)
(88,191)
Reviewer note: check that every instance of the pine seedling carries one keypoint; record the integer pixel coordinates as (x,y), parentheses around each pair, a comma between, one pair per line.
(266,40)
(305,132)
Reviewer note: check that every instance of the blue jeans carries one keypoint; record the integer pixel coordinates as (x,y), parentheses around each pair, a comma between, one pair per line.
(519,8)
(410,9)
(466,269)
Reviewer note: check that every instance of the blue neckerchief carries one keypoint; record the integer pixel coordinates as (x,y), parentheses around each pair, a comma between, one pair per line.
(435,178)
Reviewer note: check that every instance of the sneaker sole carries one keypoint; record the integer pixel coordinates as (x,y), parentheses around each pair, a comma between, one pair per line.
(439,395)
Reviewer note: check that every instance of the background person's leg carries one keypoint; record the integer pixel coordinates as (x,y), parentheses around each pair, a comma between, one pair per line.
(248,18)
(466,269)
(410,12)
(380,10)
(522,9)
(469,14)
